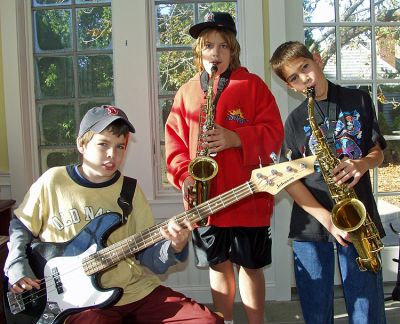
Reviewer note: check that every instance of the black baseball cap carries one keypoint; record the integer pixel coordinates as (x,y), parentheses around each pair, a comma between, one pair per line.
(216,20)
(98,118)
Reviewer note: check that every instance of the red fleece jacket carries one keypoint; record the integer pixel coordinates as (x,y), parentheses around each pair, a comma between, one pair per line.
(247,107)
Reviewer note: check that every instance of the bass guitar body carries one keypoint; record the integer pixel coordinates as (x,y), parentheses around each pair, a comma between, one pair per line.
(65,287)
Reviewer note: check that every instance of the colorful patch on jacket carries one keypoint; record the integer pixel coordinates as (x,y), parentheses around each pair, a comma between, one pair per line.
(347,135)
(236,115)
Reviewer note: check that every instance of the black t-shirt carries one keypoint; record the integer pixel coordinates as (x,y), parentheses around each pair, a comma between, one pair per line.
(348,118)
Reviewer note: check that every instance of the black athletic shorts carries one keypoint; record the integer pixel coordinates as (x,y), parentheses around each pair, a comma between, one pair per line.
(249,247)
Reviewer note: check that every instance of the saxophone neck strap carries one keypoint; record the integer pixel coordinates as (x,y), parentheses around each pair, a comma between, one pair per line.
(327,114)
(222,83)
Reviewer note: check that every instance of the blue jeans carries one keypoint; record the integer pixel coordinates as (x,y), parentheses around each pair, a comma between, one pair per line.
(314,268)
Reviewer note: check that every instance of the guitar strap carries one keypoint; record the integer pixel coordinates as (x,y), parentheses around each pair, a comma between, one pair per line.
(126,196)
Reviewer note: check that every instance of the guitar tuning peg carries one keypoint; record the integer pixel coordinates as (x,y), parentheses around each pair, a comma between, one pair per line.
(288,154)
(274,157)
(259,158)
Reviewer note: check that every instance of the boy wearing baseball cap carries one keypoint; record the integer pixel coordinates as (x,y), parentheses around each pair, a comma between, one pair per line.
(66,201)
(245,130)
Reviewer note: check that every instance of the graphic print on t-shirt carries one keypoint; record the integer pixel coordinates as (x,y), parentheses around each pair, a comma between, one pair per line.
(347,135)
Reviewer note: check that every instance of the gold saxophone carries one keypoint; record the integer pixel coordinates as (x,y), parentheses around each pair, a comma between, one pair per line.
(348,213)
(203,168)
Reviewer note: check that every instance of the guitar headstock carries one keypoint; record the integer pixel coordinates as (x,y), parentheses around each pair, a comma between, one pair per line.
(274,178)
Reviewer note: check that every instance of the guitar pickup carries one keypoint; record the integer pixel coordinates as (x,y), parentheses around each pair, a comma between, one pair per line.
(57,281)
(16,303)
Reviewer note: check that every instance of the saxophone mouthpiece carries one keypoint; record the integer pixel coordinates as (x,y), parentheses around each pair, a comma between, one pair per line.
(214,68)
(310,92)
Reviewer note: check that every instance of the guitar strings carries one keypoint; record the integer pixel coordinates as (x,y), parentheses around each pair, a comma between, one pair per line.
(153,235)
(193,215)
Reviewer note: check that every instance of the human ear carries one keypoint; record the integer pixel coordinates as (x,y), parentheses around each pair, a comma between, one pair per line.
(80,146)
(318,59)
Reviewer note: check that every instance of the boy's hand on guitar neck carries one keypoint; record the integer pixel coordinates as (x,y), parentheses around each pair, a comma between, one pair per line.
(177,234)
(25,283)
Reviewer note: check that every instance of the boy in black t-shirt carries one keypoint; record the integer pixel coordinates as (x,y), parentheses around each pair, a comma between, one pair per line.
(347,118)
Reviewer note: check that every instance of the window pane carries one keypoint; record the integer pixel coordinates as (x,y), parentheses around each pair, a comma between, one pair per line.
(389,210)
(56,124)
(52,30)
(165,107)
(389,109)
(389,123)
(230,7)
(388,52)
(172,24)
(58,157)
(163,170)
(93,1)
(317,11)
(356,43)
(94,28)
(350,10)
(388,172)
(387,10)
(40,3)
(174,59)
(95,76)
(323,41)
(54,77)
(63,57)
(174,69)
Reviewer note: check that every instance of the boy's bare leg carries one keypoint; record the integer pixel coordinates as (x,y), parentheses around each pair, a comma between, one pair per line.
(252,292)
(223,288)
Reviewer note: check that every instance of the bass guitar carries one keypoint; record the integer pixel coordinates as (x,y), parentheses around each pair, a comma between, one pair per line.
(70,271)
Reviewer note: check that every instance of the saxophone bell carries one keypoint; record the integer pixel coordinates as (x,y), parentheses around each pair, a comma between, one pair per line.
(349,214)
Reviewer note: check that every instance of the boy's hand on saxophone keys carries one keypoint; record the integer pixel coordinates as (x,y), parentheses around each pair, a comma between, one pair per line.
(349,171)
(220,138)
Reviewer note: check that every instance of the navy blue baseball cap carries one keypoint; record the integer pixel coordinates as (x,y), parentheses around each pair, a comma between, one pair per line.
(97,119)
(214,20)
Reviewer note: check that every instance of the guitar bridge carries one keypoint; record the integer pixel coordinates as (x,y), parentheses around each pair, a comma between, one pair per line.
(15,302)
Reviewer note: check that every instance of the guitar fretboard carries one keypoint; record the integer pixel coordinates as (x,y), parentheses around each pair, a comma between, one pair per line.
(114,253)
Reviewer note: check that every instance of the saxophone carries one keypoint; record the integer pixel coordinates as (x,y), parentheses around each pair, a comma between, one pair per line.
(349,213)
(203,167)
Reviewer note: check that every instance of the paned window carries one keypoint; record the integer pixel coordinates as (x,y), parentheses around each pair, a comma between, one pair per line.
(359,42)
(174,61)
(72,55)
